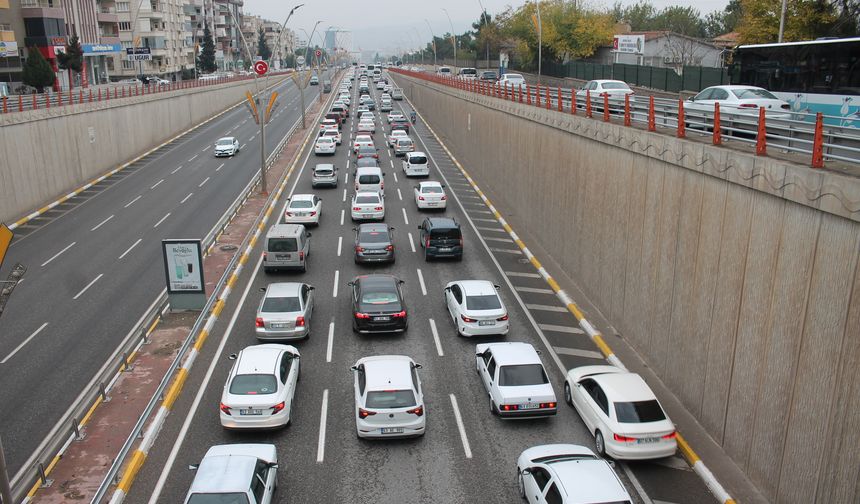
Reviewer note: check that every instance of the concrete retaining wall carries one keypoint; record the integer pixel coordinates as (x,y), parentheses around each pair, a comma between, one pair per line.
(47,153)
(736,278)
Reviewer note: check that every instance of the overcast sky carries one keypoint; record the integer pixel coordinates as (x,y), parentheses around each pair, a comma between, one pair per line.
(385,25)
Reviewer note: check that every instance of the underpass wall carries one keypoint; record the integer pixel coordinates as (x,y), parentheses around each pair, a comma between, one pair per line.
(734,277)
(47,153)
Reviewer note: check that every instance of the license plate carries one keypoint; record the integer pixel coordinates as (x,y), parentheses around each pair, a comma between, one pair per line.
(647,440)
(250,412)
(381,319)
(529,406)
(444,249)
(282,257)
(278,325)
(392,430)
(486,322)
(301,214)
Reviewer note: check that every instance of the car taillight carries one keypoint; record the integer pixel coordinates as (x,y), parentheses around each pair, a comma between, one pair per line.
(289,214)
(378,208)
(467,319)
(363,413)
(420,198)
(400,314)
(226,409)
(390,248)
(302,255)
(545,405)
(671,435)
(259,322)
(300,321)
(461,242)
(509,407)
(278,407)
(748,105)
(419,411)
(265,255)
(382,185)
(603,94)
(356,208)
(623,439)
(503,318)
(359,249)
(360,315)
(356,184)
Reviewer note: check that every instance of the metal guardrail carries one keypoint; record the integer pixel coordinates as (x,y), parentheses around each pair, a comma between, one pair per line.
(784,130)
(97,390)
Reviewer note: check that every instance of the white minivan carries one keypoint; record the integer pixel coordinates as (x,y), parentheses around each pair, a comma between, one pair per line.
(369,178)
(415,165)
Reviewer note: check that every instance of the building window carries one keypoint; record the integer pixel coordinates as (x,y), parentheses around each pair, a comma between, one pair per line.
(124,26)
(127,65)
(122,6)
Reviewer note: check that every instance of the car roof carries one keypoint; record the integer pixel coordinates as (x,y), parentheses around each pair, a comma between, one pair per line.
(232,139)
(284,230)
(478,287)
(386,372)
(589,480)
(376,280)
(430,183)
(258,359)
(513,352)
(363,137)
(368,170)
(443,222)
(223,474)
(374,227)
(283,289)
(624,387)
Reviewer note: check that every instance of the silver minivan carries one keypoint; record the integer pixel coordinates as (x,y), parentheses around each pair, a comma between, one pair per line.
(369,178)
(287,247)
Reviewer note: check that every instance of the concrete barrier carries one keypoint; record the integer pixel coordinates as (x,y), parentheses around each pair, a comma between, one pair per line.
(735,277)
(46,153)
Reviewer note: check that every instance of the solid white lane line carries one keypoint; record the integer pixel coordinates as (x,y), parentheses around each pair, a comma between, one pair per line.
(101,223)
(157,184)
(323,416)
(96,279)
(561,329)
(162,220)
(341,216)
(576,352)
(636,485)
(542,307)
(421,281)
(176,170)
(394,173)
(436,338)
(222,166)
(519,274)
(193,158)
(405,218)
(330,342)
(19,347)
(339,244)
(336,279)
(411,242)
(204,181)
(58,253)
(135,199)
(344,195)
(129,249)
(460,426)
(186,198)
(399,195)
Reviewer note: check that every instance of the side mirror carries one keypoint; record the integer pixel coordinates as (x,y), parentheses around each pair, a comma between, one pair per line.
(526,472)
(274,465)
(232,356)
(401,282)
(417,366)
(691,99)
(193,467)
(311,287)
(262,289)
(419,227)
(497,287)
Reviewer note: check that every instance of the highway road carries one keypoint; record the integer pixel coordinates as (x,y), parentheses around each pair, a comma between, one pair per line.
(95,265)
(467,454)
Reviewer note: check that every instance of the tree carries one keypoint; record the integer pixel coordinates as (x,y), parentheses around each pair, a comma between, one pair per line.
(73,57)
(726,21)
(37,71)
(804,20)
(206,61)
(684,20)
(263,50)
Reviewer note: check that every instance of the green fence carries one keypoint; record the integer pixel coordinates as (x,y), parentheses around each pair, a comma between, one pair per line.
(693,78)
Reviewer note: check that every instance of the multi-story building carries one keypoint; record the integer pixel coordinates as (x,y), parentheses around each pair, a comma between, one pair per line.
(279,43)
(11,45)
(164,26)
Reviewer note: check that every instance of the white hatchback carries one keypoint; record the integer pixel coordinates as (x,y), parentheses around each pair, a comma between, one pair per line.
(430,195)
(362,141)
(515,380)
(415,164)
(389,401)
(367,205)
(476,308)
(303,209)
(260,387)
(325,145)
(236,473)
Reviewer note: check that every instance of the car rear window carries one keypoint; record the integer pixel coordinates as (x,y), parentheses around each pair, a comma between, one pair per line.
(379,297)
(752,93)
(639,412)
(301,204)
(488,302)
(404,142)
(448,233)
(222,498)
(254,384)
(368,179)
(431,189)
(615,85)
(323,172)
(522,374)
(417,159)
(367,199)
(281,304)
(390,399)
(282,245)
(373,237)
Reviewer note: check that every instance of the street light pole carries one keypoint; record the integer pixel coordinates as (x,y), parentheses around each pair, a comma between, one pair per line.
(782,20)
(486,23)
(433,42)
(540,32)
(453,36)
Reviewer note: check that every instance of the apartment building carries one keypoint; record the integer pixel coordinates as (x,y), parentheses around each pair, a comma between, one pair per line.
(279,43)
(164,27)
(11,45)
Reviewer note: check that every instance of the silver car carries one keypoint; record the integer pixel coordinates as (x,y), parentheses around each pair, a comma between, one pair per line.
(285,311)
(324,175)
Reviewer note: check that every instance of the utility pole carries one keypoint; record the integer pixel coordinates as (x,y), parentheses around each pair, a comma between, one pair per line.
(485,24)
(782,20)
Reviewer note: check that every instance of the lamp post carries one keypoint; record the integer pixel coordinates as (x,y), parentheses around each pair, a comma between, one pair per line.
(540,31)
(418,37)
(486,23)
(433,42)
(453,36)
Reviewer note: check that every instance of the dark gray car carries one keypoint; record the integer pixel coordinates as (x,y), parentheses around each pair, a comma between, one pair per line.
(374,243)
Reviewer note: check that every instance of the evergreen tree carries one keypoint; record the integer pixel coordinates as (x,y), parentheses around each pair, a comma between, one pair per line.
(37,71)
(207,54)
(263,50)
(73,57)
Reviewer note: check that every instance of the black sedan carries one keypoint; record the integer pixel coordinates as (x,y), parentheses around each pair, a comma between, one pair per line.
(366,151)
(373,243)
(377,304)
(400,123)
(367,162)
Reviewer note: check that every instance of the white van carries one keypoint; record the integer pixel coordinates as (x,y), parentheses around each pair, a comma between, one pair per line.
(287,247)
(415,165)
(369,178)
(468,73)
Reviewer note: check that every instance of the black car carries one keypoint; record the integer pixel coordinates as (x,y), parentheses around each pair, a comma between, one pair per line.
(367,162)
(377,304)
(400,123)
(366,151)
(373,243)
(488,75)
(441,237)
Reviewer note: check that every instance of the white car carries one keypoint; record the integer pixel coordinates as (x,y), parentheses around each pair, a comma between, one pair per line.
(260,387)
(235,473)
(415,165)
(515,380)
(303,209)
(512,80)
(476,308)
(345,99)
(395,115)
(333,133)
(367,205)
(567,474)
(403,146)
(614,89)
(380,85)
(325,145)
(367,116)
(740,100)
(388,397)
(328,123)
(227,146)
(362,141)
(430,195)
(394,135)
(622,412)
(366,126)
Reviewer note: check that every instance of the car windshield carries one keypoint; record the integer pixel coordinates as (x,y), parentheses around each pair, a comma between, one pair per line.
(615,85)
(373,237)
(282,245)
(381,399)
(301,204)
(225,141)
(522,374)
(378,297)
(367,199)
(219,498)
(254,384)
(281,304)
(487,302)
(639,411)
(753,93)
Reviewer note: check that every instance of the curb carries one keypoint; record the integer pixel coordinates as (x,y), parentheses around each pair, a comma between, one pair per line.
(686,451)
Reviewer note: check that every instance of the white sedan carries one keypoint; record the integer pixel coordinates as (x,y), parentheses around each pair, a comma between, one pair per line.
(227,146)
(244,463)
(633,425)
(362,141)
(260,387)
(476,308)
(365,127)
(515,380)
(333,133)
(430,195)
(303,209)
(615,90)
(367,205)
(567,474)
(739,100)
(389,401)
(394,115)
(394,135)
(325,145)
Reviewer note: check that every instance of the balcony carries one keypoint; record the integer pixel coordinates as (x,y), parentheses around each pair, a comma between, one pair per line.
(42,9)
(107,15)
(109,39)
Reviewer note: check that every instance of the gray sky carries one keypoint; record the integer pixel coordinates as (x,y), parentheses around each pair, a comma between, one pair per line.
(385,25)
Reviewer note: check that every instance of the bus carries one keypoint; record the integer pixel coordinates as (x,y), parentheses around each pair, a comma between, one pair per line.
(814,76)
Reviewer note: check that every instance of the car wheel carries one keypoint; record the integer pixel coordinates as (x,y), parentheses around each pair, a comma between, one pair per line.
(493,409)
(599,445)
(521,484)
(567,397)
(305,266)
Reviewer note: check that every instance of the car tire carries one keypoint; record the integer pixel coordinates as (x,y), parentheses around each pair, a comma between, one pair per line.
(599,444)
(493,409)
(522,485)
(305,265)
(567,397)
